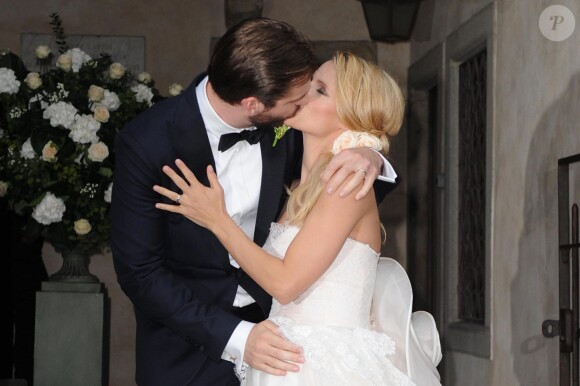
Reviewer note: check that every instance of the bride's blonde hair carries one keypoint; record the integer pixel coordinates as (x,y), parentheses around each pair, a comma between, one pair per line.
(368,100)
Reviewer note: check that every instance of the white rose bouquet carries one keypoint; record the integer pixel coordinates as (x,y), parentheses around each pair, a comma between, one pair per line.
(57,131)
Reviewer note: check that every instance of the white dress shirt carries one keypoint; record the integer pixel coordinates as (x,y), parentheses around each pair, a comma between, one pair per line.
(239,172)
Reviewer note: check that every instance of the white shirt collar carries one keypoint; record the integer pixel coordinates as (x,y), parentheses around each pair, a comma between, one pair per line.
(213,122)
(389,173)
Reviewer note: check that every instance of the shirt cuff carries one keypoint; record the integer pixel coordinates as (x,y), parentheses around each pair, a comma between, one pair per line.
(234,351)
(388,173)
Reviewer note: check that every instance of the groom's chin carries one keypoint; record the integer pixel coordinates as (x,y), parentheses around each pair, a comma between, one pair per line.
(267,121)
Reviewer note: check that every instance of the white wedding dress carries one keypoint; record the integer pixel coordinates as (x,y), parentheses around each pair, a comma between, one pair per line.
(352,331)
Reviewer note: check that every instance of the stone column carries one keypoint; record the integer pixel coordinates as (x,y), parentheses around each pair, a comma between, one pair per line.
(70,335)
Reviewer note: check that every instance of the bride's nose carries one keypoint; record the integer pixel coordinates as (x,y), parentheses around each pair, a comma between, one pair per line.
(304,101)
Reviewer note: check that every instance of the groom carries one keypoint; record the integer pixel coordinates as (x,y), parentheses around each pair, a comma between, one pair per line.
(195,309)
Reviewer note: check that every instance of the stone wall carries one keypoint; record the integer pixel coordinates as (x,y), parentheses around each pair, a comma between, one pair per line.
(536,94)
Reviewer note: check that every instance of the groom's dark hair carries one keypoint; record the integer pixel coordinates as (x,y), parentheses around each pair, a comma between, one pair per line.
(260,57)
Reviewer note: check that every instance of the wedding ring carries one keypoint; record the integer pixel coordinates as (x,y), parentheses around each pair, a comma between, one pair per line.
(361,170)
(178,199)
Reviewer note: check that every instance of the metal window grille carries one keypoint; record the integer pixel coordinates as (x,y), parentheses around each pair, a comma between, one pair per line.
(472,183)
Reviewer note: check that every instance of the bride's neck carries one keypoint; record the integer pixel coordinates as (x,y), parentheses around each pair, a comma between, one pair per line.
(313,147)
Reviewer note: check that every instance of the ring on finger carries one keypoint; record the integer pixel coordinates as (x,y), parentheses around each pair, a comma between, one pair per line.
(361,170)
(178,199)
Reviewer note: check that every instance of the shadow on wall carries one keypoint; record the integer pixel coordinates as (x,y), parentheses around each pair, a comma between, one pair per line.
(392,213)
(534,290)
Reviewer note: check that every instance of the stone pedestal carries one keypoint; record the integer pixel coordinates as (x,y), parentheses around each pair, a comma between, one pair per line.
(70,334)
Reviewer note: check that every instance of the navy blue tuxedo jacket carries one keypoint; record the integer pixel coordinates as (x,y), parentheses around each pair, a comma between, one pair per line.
(176,273)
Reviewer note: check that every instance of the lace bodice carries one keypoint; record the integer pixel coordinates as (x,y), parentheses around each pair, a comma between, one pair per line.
(341,296)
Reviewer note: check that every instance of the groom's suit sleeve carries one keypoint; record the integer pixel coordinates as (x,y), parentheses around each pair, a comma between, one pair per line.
(386,183)
(139,242)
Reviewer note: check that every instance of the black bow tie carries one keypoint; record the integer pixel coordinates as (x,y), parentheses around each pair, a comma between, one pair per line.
(229,140)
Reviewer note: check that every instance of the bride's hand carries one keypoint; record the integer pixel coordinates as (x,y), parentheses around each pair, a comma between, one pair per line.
(351,167)
(202,205)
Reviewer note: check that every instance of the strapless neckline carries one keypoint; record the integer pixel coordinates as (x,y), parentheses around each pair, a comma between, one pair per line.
(277,228)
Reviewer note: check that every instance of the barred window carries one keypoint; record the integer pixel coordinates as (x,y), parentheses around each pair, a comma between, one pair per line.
(472,183)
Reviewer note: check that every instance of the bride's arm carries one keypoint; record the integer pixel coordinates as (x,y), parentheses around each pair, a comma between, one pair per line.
(319,240)
(309,255)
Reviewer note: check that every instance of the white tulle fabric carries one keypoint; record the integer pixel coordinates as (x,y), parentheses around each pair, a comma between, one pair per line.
(352,331)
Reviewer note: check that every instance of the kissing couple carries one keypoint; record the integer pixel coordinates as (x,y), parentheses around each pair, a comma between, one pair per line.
(260,264)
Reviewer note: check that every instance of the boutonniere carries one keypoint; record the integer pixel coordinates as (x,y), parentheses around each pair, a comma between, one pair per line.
(279,132)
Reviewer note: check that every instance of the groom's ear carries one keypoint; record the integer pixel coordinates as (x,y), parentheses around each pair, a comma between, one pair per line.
(252,105)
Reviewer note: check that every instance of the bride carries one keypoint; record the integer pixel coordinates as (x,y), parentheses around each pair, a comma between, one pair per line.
(320,260)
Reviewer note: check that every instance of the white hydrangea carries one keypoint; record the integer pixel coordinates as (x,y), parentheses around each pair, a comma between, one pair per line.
(26,151)
(8,82)
(60,114)
(84,129)
(111,101)
(108,193)
(142,93)
(79,58)
(50,210)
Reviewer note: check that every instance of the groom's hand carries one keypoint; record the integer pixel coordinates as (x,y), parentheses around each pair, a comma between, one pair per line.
(267,350)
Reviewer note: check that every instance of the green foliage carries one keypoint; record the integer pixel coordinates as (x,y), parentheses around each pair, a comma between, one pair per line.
(58,31)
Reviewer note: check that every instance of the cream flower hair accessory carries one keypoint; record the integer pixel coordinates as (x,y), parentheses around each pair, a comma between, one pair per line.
(350,139)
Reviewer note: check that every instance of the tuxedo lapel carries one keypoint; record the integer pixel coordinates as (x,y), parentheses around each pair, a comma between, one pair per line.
(189,138)
(273,162)
(190,142)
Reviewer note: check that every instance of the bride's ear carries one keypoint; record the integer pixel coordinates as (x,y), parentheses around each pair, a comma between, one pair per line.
(252,105)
